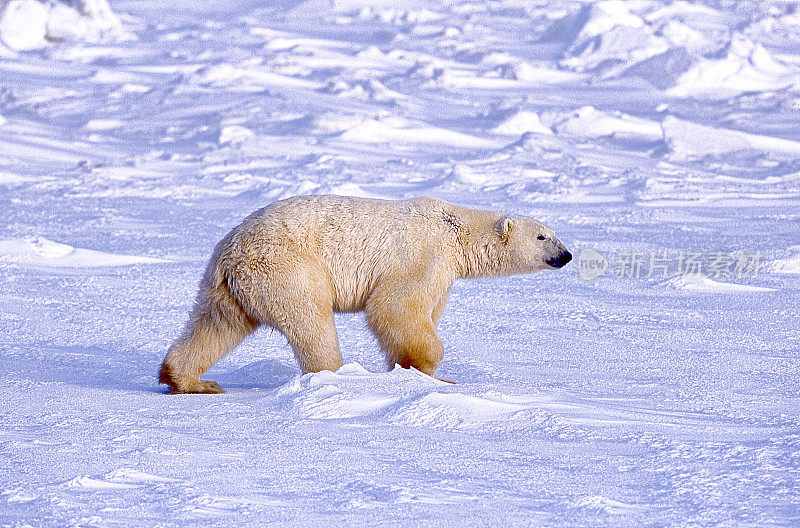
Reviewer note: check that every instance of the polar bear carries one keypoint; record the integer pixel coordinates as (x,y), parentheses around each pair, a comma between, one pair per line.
(294,263)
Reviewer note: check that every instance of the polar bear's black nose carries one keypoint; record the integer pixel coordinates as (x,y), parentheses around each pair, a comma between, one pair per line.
(561,260)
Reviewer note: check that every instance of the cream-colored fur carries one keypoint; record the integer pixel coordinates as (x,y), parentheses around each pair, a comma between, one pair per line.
(294,263)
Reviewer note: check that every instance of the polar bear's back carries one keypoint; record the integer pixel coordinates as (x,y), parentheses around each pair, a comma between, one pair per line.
(336,221)
(358,241)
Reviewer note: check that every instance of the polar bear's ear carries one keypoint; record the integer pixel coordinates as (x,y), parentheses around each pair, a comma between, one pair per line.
(504,226)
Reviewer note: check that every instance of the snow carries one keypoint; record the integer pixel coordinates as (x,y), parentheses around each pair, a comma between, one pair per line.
(611,33)
(521,122)
(592,123)
(626,389)
(23,25)
(692,139)
(699,282)
(747,66)
(791,264)
(401,131)
(31,24)
(43,252)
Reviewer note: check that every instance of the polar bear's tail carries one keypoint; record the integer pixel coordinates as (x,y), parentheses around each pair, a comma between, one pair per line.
(216,326)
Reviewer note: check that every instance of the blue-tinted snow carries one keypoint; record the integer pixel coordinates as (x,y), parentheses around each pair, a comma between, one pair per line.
(650,135)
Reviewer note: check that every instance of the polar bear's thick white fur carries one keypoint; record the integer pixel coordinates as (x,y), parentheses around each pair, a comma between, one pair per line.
(294,263)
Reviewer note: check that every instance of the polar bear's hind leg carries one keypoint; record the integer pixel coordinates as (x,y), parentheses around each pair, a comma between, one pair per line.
(217,325)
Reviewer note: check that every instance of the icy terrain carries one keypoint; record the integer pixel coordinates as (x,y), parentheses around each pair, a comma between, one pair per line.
(652,382)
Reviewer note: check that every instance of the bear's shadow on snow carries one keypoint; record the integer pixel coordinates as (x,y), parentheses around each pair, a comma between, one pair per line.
(263,374)
(96,366)
(134,370)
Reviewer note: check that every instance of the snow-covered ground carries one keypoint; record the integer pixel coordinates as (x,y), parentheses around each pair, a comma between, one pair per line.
(653,382)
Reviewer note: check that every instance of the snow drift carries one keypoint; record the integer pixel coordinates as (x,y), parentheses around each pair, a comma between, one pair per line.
(32,24)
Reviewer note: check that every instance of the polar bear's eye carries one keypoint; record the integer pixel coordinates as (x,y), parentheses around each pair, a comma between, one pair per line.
(540,237)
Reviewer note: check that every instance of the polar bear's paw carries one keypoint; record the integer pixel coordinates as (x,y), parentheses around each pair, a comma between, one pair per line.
(206,387)
(177,386)
(201,387)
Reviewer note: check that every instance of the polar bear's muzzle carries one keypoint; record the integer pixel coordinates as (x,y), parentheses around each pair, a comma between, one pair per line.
(560,260)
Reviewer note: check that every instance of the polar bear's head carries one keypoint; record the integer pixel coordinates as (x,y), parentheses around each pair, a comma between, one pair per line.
(528,245)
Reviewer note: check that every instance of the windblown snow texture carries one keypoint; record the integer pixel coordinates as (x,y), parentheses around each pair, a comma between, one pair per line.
(652,382)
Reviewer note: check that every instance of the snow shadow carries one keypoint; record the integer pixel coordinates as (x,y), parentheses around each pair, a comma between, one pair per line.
(263,374)
(96,366)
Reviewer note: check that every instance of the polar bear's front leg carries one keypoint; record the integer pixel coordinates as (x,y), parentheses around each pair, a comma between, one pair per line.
(406,331)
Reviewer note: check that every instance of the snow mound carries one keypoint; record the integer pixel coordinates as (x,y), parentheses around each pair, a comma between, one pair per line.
(234,134)
(603,17)
(663,70)
(788,265)
(400,397)
(103,125)
(31,24)
(601,504)
(747,66)
(608,33)
(450,410)
(89,483)
(592,123)
(23,24)
(398,130)
(524,72)
(134,476)
(336,123)
(10,179)
(690,140)
(350,189)
(522,122)
(39,251)
(684,49)
(369,90)
(245,77)
(395,15)
(681,9)
(706,284)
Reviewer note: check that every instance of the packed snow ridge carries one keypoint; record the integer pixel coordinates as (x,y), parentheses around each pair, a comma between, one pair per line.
(672,47)
(32,24)
(651,382)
